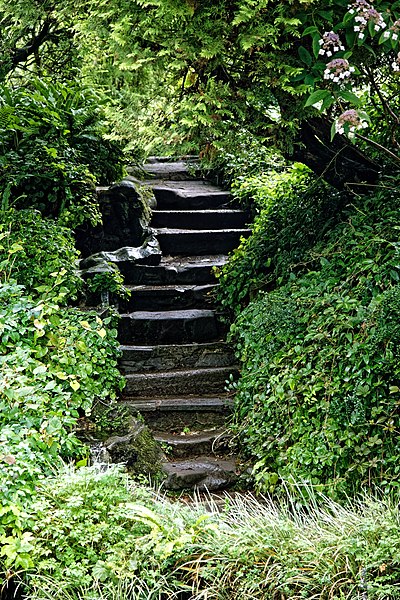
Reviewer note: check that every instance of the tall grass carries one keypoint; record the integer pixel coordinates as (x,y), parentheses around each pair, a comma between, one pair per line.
(252,550)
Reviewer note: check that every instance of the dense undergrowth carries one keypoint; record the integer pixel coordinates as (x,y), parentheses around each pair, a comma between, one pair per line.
(55,363)
(315,295)
(98,535)
(53,149)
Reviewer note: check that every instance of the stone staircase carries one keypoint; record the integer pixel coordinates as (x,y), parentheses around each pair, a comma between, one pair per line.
(175,359)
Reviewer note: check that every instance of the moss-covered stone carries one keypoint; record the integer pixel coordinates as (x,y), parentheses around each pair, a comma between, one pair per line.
(137,449)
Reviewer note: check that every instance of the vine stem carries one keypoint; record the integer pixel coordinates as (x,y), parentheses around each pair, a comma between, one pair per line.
(379,147)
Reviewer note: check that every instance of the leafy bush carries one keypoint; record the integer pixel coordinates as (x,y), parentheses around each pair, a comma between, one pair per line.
(44,263)
(318,395)
(98,535)
(55,363)
(294,211)
(236,154)
(53,150)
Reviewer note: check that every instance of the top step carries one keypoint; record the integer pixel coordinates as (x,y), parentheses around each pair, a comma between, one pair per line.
(178,171)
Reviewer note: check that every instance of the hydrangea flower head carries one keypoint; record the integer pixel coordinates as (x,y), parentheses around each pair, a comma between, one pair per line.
(338,70)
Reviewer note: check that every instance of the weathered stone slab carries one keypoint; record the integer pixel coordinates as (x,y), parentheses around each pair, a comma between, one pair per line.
(185,381)
(165,357)
(174,270)
(148,253)
(178,170)
(199,219)
(191,242)
(167,297)
(169,327)
(186,444)
(174,414)
(190,198)
(202,473)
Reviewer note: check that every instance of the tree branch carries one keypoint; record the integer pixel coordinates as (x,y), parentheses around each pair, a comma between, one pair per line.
(21,55)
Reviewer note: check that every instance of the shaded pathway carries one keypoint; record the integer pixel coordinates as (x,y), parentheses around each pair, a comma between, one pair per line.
(174,355)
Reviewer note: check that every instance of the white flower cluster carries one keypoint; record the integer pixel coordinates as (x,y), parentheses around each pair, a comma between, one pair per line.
(393,31)
(365,13)
(338,70)
(349,121)
(396,63)
(330,43)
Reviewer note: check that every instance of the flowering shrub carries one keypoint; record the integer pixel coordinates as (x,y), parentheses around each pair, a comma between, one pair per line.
(363,51)
(330,43)
(338,69)
(349,121)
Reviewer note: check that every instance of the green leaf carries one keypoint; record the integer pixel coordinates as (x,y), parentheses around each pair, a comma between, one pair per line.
(316,46)
(305,56)
(317,96)
(326,14)
(311,29)
(347,18)
(327,102)
(350,97)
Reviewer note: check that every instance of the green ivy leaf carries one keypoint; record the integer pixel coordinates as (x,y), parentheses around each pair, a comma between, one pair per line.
(305,56)
(317,96)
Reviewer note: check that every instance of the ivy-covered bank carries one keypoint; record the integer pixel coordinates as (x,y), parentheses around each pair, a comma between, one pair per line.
(316,292)
(56,362)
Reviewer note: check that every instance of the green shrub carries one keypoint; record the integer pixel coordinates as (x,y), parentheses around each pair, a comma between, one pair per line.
(53,150)
(237,154)
(54,365)
(295,210)
(318,395)
(39,254)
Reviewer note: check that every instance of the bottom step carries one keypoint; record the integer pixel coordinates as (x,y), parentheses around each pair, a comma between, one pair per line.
(203,473)
(177,414)
(191,443)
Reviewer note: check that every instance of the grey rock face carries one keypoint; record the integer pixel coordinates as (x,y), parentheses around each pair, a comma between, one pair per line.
(137,449)
(125,219)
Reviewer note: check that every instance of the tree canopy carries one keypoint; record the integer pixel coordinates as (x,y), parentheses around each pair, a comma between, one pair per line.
(288,71)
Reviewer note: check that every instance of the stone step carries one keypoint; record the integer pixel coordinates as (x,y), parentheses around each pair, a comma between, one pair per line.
(177,170)
(199,242)
(169,327)
(175,414)
(199,219)
(166,297)
(189,443)
(164,357)
(185,381)
(187,158)
(204,473)
(189,195)
(173,270)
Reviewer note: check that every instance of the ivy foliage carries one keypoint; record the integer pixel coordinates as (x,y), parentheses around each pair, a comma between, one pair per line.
(36,265)
(55,364)
(318,395)
(293,211)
